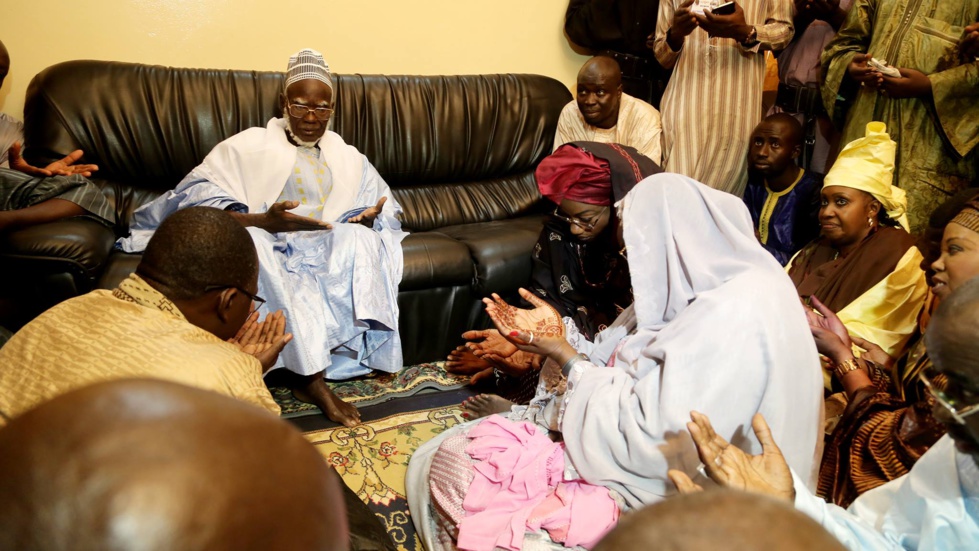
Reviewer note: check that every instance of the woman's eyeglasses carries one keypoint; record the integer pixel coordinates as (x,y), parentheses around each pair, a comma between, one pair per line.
(259,301)
(583,224)
(958,412)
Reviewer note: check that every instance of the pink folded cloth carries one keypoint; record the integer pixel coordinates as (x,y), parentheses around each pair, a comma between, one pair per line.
(518,486)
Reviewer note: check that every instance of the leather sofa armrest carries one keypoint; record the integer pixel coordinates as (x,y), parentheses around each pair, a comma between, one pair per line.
(78,246)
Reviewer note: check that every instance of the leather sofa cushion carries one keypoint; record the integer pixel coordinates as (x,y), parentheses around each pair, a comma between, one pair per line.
(433,259)
(502,250)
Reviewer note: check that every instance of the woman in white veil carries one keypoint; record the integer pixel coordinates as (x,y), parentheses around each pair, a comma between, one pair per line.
(716,327)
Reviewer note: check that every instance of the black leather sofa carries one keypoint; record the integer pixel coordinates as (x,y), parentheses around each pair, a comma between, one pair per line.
(458,151)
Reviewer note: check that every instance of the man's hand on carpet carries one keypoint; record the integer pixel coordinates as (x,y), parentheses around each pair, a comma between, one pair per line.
(369,215)
(279,219)
(264,340)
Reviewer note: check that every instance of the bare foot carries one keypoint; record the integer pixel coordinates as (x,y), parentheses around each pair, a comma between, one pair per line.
(484,405)
(462,361)
(318,393)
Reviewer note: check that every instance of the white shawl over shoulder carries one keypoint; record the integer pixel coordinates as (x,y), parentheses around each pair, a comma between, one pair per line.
(720,330)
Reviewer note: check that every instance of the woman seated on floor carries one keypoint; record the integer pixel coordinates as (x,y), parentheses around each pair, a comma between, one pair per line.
(888,422)
(864,266)
(715,324)
(577,265)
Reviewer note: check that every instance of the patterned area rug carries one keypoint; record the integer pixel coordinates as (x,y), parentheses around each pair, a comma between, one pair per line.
(373,458)
(376,388)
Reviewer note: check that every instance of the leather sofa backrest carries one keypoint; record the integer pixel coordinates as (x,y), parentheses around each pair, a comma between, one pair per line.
(455,149)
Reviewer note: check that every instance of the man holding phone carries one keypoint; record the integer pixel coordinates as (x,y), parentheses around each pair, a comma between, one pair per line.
(713,100)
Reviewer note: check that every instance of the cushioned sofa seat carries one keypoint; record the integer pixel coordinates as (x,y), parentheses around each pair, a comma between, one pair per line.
(458,152)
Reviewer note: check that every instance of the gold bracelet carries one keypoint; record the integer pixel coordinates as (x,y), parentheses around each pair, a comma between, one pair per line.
(845,367)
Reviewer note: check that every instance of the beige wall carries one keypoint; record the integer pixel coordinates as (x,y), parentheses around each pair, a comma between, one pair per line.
(355,36)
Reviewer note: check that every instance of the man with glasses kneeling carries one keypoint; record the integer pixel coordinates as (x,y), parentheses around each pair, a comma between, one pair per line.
(187,315)
(934,506)
(326,229)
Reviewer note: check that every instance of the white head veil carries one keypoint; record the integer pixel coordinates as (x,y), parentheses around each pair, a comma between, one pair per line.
(720,330)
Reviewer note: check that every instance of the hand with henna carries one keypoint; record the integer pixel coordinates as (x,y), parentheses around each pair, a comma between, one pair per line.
(538,331)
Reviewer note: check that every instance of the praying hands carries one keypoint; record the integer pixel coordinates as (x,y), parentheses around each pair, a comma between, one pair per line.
(264,340)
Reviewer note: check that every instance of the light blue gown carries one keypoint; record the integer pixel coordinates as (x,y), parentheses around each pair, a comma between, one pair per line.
(338,288)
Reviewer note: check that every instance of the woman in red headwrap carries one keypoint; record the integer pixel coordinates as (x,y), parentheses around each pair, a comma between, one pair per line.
(577,265)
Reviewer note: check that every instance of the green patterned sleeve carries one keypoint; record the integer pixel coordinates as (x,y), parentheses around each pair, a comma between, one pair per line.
(955,92)
(853,38)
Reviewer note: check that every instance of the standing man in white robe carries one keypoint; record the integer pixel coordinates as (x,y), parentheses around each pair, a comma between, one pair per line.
(326,229)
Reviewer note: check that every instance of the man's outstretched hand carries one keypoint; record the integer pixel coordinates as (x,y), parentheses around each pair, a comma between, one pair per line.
(730,467)
(264,340)
(368,216)
(63,167)
(279,219)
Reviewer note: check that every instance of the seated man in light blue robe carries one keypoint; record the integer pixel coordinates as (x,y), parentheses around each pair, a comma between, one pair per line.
(935,505)
(326,229)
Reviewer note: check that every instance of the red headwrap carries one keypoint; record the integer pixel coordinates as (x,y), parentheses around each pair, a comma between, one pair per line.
(577,175)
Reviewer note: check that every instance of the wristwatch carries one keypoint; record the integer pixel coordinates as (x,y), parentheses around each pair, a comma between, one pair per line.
(751,39)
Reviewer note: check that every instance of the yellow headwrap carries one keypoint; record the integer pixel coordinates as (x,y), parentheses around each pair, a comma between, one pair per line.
(867,164)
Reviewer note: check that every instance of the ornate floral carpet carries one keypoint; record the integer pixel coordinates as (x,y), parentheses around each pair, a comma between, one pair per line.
(373,457)
(377,388)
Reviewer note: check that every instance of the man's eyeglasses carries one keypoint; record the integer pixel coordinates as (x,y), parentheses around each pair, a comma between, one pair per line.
(583,224)
(259,301)
(957,411)
(299,111)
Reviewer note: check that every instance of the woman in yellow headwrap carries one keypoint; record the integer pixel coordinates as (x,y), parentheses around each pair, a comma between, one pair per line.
(864,266)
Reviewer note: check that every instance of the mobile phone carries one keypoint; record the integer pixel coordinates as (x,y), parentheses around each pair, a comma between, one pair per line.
(724,9)
(883,68)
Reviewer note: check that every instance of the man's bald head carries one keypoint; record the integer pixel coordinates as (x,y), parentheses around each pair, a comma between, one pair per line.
(204,261)
(953,332)
(199,247)
(153,465)
(719,519)
(791,128)
(952,341)
(774,146)
(600,91)
(602,65)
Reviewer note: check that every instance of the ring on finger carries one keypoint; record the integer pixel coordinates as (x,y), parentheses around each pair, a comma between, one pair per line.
(531,339)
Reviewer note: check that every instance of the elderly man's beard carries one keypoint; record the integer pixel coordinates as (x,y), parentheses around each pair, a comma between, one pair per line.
(295,138)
